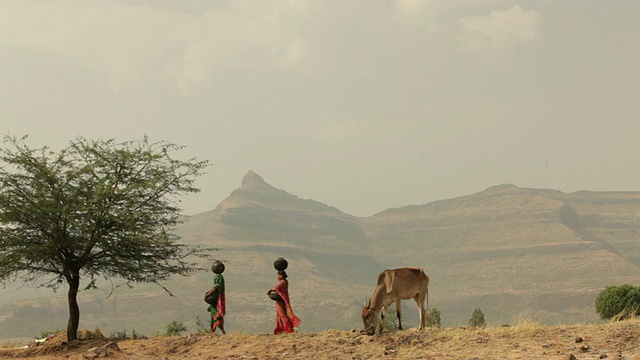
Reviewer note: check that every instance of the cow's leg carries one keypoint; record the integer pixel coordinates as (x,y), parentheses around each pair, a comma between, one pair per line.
(380,323)
(399,313)
(383,312)
(419,299)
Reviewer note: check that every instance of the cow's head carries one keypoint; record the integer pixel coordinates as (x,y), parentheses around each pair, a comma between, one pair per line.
(369,317)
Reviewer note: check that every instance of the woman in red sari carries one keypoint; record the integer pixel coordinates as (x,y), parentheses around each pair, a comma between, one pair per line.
(286,320)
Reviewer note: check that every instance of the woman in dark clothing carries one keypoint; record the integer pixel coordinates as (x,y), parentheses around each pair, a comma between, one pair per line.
(218,309)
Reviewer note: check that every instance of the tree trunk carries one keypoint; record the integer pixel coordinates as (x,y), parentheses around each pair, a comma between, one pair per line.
(73,278)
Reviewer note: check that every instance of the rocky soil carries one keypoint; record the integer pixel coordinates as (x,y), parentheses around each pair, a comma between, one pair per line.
(524,341)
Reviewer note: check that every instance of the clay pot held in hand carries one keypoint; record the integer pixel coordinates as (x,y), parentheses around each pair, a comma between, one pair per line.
(273,295)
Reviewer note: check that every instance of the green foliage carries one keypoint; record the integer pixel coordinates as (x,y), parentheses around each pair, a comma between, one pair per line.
(433,318)
(477,319)
(93,209)
(175,328)
(618,302)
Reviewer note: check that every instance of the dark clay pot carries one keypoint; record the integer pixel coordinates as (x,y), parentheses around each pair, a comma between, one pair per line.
(280,264)
(273,295)
(217,267)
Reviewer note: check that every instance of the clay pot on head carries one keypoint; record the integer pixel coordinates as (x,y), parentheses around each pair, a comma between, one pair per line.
(217,267)
(280,264)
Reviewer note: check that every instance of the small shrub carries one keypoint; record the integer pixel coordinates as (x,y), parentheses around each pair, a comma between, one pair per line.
(477,319)
(175,329)
(432,318)
(618,302)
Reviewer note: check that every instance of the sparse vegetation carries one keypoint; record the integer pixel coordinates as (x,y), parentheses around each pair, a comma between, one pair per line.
(525,340)
(90,335)
(477,319)
(44,334)
(175,328)
(122,335)
(433,318)
(523,328)
(618,302)
(200,326)
(119,335)
(390,321)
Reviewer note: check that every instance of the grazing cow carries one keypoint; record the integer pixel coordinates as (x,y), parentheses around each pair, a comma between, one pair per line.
(393,286)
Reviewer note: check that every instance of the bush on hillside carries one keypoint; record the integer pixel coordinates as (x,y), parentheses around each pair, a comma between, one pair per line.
(618,302)
(477,319)
(433,318)
(175,329)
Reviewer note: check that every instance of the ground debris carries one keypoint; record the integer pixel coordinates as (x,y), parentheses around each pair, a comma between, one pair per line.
(599,341)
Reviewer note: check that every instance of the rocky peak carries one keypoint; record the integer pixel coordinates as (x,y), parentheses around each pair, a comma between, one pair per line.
(252,178)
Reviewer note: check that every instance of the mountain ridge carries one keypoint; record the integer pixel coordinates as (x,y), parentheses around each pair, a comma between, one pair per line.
(508,250)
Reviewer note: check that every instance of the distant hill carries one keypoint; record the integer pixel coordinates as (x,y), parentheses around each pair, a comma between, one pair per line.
(513,252)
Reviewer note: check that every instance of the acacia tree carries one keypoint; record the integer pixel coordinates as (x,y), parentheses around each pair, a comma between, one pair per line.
(95,209)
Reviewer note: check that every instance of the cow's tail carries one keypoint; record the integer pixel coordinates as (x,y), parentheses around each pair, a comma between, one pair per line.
(426,295)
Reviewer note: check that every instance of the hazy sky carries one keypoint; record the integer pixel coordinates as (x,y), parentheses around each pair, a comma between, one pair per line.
(362,105)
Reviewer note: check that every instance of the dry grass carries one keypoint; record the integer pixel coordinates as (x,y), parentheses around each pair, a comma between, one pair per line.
(524,340)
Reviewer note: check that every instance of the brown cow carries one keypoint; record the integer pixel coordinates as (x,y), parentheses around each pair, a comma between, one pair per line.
(393,286)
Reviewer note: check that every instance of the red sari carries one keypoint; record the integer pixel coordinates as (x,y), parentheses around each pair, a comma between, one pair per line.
(286,320)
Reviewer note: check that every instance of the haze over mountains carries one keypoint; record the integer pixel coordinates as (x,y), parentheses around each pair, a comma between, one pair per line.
(541,255)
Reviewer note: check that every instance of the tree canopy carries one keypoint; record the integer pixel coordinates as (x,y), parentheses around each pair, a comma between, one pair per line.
(93,209)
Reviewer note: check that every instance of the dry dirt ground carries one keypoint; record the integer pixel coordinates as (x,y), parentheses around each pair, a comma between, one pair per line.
(526,341)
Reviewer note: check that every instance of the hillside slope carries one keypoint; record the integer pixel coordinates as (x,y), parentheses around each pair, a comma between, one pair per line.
(514,251)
